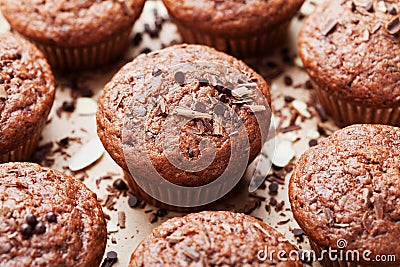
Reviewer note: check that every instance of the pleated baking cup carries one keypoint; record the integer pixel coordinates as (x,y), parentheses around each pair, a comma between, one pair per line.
(327,261)
(172,195)
(88,57)
(24,151)
(248,47)
(346,113)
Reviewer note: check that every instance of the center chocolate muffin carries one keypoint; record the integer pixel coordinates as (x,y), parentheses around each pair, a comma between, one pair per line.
(182,95)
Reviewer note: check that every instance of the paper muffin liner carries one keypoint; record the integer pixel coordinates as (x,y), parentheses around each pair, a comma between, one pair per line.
(88,57)
(345,113)
(167,195)
(327,261)
(247,47)
(24,151)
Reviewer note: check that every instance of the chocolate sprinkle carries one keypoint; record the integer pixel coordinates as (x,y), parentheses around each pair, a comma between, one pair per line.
(133,201)
(312,142)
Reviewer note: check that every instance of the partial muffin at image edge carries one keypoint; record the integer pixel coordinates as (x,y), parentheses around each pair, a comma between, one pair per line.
(214,238)
(27,90)
(242,28)
(131,79)
(345,195)
(48,219)
(75,35)
(349,49)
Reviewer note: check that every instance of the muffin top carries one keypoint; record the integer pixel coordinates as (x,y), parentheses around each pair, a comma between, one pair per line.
(48,219)
(211,238)
(351,49)
(71,23)
(348,187)
(160,105)
(26,91)
(234,18)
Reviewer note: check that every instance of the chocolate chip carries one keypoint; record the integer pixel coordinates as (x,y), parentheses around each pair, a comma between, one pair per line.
(51,217)
(31,219)
(298,232)
(288,81)
(273,188)
(161,212)
(68,106)
(64,142)
(40,228)
(200,107)
(321,112)
(26,230)
(180,77)
(219,110)
(312,142)
(156,72)
(145,50)
(330,27)
(133,201)
(112,255)
(119,184)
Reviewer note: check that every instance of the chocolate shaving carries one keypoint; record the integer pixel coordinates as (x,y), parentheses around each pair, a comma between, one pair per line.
(217,125)
(330,26)
(3,93)
(290,128)
(393,26)
(240,92)
(121,219)
(329,216)
(190,253)
(378,205)
(256,108)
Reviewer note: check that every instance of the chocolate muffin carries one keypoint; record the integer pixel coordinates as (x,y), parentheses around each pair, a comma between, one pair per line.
(242,28)
(75,34)
(48,219)
(345,194)
(26,95)
(349,49)
(160,114)
(213,238)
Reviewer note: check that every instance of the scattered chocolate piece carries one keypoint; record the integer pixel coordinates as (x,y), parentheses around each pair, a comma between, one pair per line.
(51,217)
(153,218)
(119,184)
(298,232)
(289,99)
(330,26)
(288,81)
(393,26)
(133,201)
(283,222)
(40,228)
(145,50)
(161,213)
(308,85)
(31,220)
(137,39)
(321,112)
(121,219)
(290,128)
(26,230)
(203,82)
(312,143)
(273,188)
(111,258)
(68,106)
(273,202)
(180,77)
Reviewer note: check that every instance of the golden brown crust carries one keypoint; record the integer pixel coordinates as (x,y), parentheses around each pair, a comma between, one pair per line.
(77,238)
(71,23)
(357,60)
(348,187)
(219,238)
(28,82)
(232,18)
(129,79)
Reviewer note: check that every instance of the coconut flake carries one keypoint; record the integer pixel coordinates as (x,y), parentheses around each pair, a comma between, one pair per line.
(301,108)
(86,106)
(87,155)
